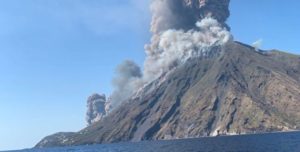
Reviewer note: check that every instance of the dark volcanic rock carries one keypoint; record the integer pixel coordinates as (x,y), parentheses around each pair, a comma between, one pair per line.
(235,91)
(55,140)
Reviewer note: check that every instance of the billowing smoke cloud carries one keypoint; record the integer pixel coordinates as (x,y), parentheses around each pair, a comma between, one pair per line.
(96,108)
(174,47)
(128,78)
(183,14)
(182,29)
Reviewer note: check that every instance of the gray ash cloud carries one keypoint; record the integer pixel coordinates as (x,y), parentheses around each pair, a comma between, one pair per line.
(127,79)
(182,29)
(96,108)
(183,14)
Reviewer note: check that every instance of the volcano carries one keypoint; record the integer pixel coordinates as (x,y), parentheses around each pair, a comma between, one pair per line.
(234,89)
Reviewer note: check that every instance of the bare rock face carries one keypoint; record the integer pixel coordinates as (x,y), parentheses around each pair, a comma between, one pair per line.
(55,140)
(96,108)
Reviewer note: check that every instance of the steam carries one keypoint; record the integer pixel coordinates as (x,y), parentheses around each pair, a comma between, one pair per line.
(182,29)
(257,44)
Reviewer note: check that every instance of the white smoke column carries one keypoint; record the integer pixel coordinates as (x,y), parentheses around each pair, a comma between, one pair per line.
(257,44)
(127,80)
(162,17)
(174,47)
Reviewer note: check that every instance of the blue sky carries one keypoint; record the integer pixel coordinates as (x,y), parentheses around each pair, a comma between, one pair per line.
(55,53)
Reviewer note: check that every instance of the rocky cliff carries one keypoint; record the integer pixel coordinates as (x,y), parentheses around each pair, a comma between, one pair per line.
(233,90)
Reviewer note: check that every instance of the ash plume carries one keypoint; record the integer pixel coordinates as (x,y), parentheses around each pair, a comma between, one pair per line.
(182,29)
(183,14)
(126,81)
(96,108)
(174,47)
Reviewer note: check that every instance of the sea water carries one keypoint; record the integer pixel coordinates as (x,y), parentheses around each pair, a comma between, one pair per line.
(274,142)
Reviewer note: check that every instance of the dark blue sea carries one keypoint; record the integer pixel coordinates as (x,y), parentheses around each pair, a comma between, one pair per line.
(276,142)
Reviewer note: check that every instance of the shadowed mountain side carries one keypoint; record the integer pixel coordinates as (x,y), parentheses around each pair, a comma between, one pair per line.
(233,90)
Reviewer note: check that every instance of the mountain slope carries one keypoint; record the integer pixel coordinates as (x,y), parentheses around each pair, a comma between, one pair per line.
(233,90)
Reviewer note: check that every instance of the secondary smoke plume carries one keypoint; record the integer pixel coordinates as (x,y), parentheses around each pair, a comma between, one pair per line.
(257,44)
(182,29)
(128,78)
(96,108)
